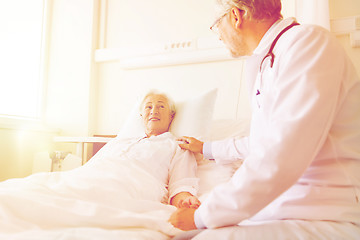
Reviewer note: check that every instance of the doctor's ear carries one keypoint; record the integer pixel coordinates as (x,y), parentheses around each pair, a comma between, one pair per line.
(237,16)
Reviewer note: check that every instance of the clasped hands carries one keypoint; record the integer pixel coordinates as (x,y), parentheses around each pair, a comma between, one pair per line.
(183,217)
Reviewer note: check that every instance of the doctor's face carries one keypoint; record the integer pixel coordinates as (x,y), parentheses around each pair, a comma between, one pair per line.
(232,36)
(156,115)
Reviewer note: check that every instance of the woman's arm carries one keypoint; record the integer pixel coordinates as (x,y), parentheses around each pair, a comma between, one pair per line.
(183,183)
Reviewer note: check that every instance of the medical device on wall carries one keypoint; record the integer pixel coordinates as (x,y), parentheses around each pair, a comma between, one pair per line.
(345,26)
(198,50)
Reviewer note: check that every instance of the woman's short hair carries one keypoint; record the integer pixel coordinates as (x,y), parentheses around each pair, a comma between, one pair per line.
(254,9)
(169,100)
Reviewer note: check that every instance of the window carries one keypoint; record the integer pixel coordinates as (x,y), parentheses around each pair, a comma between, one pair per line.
(21,31)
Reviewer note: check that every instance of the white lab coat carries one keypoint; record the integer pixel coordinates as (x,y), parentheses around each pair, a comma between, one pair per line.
(302,157)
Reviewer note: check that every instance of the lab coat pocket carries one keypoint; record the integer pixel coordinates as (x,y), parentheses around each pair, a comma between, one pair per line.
(263,88)
(258,98)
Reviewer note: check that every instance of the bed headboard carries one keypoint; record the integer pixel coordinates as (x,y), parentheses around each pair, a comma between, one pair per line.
(120,89)
(97,145)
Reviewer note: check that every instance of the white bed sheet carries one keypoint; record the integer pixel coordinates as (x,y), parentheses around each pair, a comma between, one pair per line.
(279,230)
(115,197)
(64,202)
(62,212)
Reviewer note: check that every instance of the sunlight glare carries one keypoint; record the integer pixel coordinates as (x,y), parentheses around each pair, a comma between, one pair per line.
(20,47)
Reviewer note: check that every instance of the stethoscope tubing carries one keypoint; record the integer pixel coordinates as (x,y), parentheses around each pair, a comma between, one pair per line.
(270,52)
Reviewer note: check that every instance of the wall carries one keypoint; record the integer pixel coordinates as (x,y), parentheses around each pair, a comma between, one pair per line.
(71,101)
(18,148)
(341,9)
(130,23)
(70,75)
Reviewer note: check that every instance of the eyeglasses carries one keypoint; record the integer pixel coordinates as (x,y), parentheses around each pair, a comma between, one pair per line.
(215,26)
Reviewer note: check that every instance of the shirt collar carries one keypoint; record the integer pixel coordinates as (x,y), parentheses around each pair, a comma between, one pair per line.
(162,135)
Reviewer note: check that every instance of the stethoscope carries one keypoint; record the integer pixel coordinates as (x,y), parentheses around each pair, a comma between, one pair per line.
(270,52)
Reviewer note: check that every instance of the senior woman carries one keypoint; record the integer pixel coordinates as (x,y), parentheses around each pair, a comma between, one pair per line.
(124,185)
(157,112)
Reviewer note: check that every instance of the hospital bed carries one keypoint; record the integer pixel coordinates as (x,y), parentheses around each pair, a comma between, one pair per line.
(194,118)
(134,223)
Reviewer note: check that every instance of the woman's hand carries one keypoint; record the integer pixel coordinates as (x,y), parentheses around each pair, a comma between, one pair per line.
(189,202)
(185,200)
(191,144)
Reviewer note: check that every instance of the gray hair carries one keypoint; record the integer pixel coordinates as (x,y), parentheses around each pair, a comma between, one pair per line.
(254,9)
(156,92)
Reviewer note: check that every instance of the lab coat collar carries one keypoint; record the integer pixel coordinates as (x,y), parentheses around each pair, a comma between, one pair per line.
(271,34)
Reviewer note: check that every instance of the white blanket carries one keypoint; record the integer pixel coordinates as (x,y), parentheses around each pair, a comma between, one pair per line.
(104,199)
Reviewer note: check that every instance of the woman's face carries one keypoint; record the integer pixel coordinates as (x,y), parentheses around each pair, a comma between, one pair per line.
(156,115)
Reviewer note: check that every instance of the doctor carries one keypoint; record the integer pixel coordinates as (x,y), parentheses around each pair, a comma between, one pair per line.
(302,157)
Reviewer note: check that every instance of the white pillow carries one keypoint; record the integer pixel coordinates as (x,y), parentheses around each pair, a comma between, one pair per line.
(211,175)
(229,128)
(192,118)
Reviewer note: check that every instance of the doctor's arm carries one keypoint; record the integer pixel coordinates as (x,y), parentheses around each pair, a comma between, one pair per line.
(223,152)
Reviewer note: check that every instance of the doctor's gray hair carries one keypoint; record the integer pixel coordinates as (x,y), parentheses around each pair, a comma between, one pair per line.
(156,92)
(254,9)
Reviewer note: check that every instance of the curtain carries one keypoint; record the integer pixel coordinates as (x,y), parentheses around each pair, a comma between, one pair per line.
(313,12)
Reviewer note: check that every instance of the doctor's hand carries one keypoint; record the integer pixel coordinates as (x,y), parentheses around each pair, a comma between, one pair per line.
(183,218)
(191,144)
